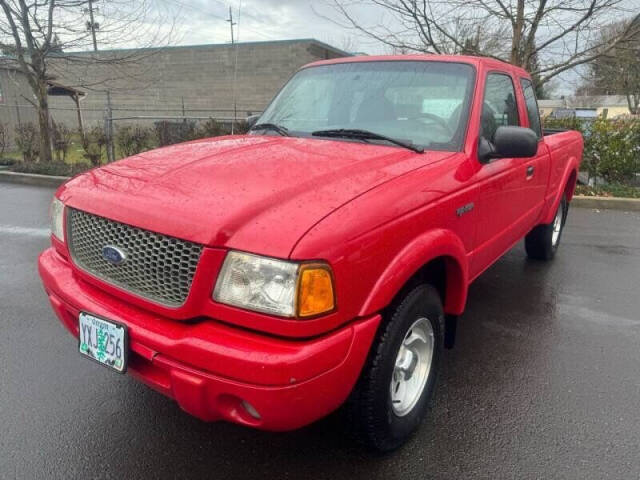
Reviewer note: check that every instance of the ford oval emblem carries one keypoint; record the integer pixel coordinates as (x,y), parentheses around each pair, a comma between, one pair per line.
(113,255)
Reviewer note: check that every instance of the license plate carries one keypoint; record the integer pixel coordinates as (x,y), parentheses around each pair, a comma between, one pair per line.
(103,341)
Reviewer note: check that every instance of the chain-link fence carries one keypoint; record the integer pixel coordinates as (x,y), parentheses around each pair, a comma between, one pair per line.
(120,129)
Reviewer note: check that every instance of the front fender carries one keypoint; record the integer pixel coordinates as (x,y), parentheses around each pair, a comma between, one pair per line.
(438,243)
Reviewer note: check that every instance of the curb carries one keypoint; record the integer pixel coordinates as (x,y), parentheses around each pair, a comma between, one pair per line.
(32,179)
(606,203)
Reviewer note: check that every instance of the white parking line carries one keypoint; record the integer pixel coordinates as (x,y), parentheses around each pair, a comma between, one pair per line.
(24,231)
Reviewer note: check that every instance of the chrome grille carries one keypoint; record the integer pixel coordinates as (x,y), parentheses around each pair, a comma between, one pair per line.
(157,267)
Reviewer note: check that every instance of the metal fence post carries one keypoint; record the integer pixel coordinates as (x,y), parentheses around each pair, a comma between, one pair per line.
(108,129)
(18,113)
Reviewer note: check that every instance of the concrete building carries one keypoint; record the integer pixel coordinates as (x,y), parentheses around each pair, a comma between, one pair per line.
(195,81)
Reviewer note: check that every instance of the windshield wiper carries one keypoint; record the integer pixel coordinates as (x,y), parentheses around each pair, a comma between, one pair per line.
(284,131)
(366,135)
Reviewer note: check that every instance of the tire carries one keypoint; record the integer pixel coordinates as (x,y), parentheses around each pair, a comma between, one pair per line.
(382,414)
(542,242)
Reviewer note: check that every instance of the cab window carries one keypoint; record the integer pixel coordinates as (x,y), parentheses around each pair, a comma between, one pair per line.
(423,102)
(499,105)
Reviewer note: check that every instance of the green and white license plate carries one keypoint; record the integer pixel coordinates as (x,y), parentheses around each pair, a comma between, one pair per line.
(103,341)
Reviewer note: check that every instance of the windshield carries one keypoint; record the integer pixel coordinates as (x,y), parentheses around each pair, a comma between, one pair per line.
(425,103)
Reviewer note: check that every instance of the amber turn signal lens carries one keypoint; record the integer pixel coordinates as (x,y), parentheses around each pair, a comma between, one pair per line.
(315,290)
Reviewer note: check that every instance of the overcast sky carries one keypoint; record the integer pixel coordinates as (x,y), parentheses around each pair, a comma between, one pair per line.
(204,21)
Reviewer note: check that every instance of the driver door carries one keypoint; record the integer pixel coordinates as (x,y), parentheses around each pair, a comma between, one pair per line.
(499,206)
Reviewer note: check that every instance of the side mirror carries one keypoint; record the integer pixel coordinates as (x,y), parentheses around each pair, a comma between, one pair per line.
(509,142)
(251,120)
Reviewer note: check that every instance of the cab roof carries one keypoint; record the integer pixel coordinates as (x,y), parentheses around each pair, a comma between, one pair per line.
(471,60)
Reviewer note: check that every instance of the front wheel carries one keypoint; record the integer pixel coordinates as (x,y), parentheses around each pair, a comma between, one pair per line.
(395,388)
(542,242)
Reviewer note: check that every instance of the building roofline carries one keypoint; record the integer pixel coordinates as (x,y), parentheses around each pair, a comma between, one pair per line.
(215,45)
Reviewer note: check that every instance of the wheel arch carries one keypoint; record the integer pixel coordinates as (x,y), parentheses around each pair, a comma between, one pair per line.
(437,257)
(570,185)
(567,186)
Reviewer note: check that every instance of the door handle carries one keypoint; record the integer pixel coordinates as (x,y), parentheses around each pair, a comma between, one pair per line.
(530,170)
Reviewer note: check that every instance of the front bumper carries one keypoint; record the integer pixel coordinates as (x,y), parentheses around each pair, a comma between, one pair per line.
(213,370)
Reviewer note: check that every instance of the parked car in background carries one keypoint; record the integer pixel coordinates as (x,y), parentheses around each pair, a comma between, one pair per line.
(322,260)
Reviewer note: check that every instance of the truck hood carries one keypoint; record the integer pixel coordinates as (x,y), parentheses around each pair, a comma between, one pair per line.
(253,193)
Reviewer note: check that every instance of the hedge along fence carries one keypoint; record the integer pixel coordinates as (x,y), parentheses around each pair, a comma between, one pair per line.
(134,139)
(611,147)
(129,139)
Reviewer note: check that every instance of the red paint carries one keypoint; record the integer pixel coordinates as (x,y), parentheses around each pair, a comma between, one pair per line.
(376,214)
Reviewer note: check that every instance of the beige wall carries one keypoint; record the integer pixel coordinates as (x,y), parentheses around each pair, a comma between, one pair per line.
(613,112)
(156,83)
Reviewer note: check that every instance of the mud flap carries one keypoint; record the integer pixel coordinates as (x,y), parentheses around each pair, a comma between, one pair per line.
(450,327)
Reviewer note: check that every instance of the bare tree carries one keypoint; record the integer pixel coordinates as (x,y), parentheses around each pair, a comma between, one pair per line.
(547,37)
(36,33)
(618,71)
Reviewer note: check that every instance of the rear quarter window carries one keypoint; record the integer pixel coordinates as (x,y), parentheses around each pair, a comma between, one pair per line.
(532,106)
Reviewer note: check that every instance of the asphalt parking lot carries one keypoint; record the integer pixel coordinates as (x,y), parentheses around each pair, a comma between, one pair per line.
(544,381)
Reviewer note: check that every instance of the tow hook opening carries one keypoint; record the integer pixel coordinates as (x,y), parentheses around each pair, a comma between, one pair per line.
(239,410)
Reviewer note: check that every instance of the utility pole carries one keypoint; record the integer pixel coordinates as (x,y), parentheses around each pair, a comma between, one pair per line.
(93,26)
(231,23)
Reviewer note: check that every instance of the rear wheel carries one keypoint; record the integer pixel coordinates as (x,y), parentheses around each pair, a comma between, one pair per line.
(396,385)
(542,242)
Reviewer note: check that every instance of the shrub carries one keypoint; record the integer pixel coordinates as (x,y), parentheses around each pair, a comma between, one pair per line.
(214,128)
(8,161)
(132,140)
(169,133)
(569,123)
(93,143)
(241,127)
(28,141)
(611,190)
(61,138)
(52,168)
(612,149)
(211,128)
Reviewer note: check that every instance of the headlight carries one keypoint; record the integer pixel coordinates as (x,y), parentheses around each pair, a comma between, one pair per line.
(56,212)
(277,287)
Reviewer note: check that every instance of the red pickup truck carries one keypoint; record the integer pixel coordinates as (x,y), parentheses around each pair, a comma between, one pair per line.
(322,259)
